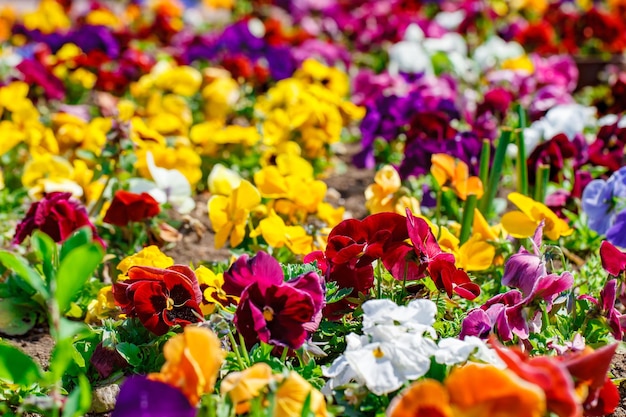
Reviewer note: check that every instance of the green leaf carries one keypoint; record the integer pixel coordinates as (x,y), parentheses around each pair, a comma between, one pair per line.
(75,269)
(46,248)
(17,367)
(79,400)
(79,238)
(130,352)
(21,267)
(16,316)
(60,360)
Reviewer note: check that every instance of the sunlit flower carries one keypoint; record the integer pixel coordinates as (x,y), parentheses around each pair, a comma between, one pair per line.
(446,169)
(212,292)
(160,298)
(475,254)
(181,158)
(102,306)
(149,256)
(128,207)
(229,215)
(192,362)
(277,234)
(293,392)
(523,223)
(223,180)
(246,385)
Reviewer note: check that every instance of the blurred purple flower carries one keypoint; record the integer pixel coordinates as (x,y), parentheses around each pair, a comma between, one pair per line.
(142,397)
(600,200)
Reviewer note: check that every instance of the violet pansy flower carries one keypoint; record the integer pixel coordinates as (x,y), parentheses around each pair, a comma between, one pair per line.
(141,397)
(600,200)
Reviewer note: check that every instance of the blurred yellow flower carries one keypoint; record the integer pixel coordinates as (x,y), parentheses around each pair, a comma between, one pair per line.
(314,72)
(520,63)
(523,223)
(246,385)
(384,196)
(182,80)
(229,215)
(220,96)
(292,394)
(192,362)
(49,17)
(223,180)
(181,158)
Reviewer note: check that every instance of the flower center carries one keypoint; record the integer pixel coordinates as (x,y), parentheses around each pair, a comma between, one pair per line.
(169,304)
(268,313)
(378,352)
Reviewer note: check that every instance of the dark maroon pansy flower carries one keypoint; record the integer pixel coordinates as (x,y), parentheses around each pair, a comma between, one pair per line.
(552,153)
(129,207)
(450,279)
(246,270)
(425,244)
(107,360)
(608,148)
(57,215)
(160,298)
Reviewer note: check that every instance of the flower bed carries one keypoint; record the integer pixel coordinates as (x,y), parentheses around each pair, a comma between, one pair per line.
(312,208)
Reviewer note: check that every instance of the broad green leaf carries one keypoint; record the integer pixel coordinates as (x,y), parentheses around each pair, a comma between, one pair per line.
(16,316)
(79,400)
(60,360)
(75,269)
(79,238)
(130,352)
(21,267)
(17,367)
(47,250)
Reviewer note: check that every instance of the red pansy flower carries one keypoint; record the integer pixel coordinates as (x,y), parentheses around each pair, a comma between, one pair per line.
(160,298)
(613,259)
(129,207)
(449,278)
(57,215)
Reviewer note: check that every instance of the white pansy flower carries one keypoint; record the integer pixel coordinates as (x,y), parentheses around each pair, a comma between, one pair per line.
(496,50)
(169,186)
(409,55)
(417,316)
(452,351)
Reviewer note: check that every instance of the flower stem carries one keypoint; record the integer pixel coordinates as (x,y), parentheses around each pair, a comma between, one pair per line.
(496,172)
(485,157)
(283,356)
(379,280)
(235,347)
(244,350)
(522,169)
(468,218)
(543,176)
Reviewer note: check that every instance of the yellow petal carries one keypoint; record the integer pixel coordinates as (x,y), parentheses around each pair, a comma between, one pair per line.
(518,224)
(476,254)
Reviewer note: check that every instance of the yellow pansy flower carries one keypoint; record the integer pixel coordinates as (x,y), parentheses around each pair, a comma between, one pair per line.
(140,132)
(475,254)
(241,387)
(220,95)
(212,292)
(223,180)
(292,394)
(84,78)
(148,256)
(520,63)
(330,215)
(103,17)
(49,17)
(277,234)
(102,307)
(182,80)
(229,215)
(313,71)
(182,158)
(11,136)
(524,222)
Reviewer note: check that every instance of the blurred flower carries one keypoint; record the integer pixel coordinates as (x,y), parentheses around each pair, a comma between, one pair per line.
(613,259)
(246,385)
(129,207)
(606,308)
(57,215)
(192,362)
(223,180)
(229,214)
(601,201)
(142,396)
(160,298)
(293,392)
(471,390)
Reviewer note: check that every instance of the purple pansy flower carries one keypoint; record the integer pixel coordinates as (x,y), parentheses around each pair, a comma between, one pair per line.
(142,397)
(599,200)
(606,307)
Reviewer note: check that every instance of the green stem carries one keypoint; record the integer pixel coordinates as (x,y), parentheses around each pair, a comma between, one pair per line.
(244,350)
(496,172)
(235,348)
(468,218)
(438,212)
(403,292)
(541,186)
(283,356)
(485,156)
(522,169)
(379,279)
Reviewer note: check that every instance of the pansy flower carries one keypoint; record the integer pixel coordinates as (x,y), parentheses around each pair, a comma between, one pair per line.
(446,170)
(524,222)
(613,259)
(160,298)
(229,215)
(605,306)
(271,310)
(129,207)
(601,201)
(213,294)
